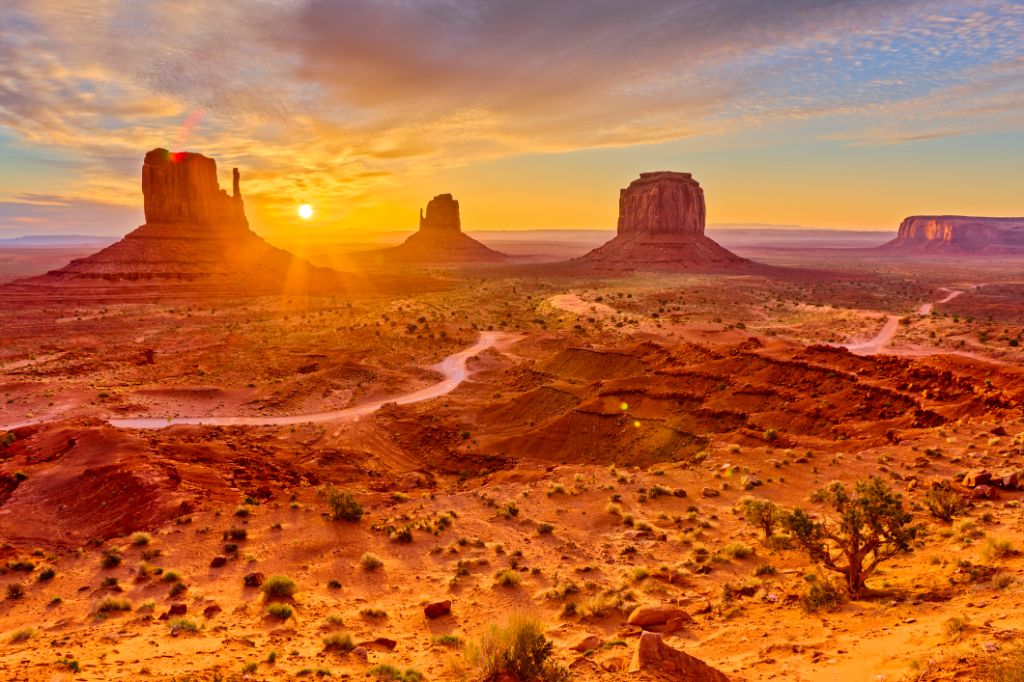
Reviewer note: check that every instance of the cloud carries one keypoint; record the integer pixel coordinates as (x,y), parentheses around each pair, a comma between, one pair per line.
(341,98)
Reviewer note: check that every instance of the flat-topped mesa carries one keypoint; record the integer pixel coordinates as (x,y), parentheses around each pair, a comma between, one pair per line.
(442,214)
(182,187)
(662,202)
(964,232)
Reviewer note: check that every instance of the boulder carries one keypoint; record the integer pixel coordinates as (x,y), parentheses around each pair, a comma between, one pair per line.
(655,657)
(218,561)
(587,643)
(647,617)
(976,477)
(438,609)
(710,492)
(211,611)
(177,610)
(253,579)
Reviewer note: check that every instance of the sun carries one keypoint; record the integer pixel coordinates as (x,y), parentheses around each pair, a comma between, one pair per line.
(305,211)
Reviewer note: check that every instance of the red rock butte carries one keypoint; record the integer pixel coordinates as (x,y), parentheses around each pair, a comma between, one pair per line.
(194,232)
(661,227)
(440,239)
(958,234)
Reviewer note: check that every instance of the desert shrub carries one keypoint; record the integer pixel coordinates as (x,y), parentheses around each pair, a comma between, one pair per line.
(506,578)
(735,550)
(21,636)
(341,505)
(70,664)
(403,535)
(761,513)
(46,574)
(1006,666)
(111,558)
(179,625)
(21,565)
(141,539)
(236,534)
(868,527)
(771,435)
(955,627)
(448,640)
(545,528)
(170,577)
(822,595)
(370,612)
(341,643)
(390,672)
(15,591)
(943,502)
(242,512)
(278,587)
(997,549)
(177,589)
(111,605)
(279,611)
(519,649)
(370,562)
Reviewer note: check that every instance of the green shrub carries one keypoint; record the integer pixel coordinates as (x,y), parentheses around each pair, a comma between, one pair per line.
(342,643)
(370,562)
(141,539)
(341,505)
(822,595)
(46,574)
(179,625)
(15,591)
(1006,666)
(111,605)
(997,549)
(519,649)
(279,611)
(21,636)
(111,558)
(278,587)
(943,502)
(506,578)
(390,672)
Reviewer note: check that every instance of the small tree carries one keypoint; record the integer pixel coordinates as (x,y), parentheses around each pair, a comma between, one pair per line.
(761,513)
(869,527)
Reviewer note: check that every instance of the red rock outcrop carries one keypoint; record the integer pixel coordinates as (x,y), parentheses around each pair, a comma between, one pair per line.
(194,232)
(182,188)
(654,656)
(440,239)
(662,203)
(661,227)
(931,234)
(442,214)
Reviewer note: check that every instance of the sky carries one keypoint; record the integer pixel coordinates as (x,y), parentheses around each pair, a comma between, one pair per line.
(533,113)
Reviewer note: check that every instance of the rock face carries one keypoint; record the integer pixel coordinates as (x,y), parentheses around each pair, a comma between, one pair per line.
(662,203)
(195,232)
(439,240)
(958,234)
(654,656)
(442,214)
(182,188)
(661,227)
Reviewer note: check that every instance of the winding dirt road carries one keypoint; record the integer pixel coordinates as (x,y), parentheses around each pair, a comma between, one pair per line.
(452,367)
(884,337)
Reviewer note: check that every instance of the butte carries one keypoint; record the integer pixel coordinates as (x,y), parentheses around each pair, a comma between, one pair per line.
(661,227)
(439,239)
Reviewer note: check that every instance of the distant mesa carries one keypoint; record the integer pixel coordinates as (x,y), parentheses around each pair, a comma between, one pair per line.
(958,234)
(661,227)
(194,232)
(439,239)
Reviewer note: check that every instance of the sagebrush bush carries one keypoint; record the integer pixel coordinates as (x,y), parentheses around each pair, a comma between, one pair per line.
(278,587)
(519,649)
(342,505)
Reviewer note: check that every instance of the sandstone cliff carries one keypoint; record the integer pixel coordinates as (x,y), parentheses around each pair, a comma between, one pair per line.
(183,188)
(662,203)
(661,227)
(958,234)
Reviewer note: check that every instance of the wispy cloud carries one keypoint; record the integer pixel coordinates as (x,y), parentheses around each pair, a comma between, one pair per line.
(339,98)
